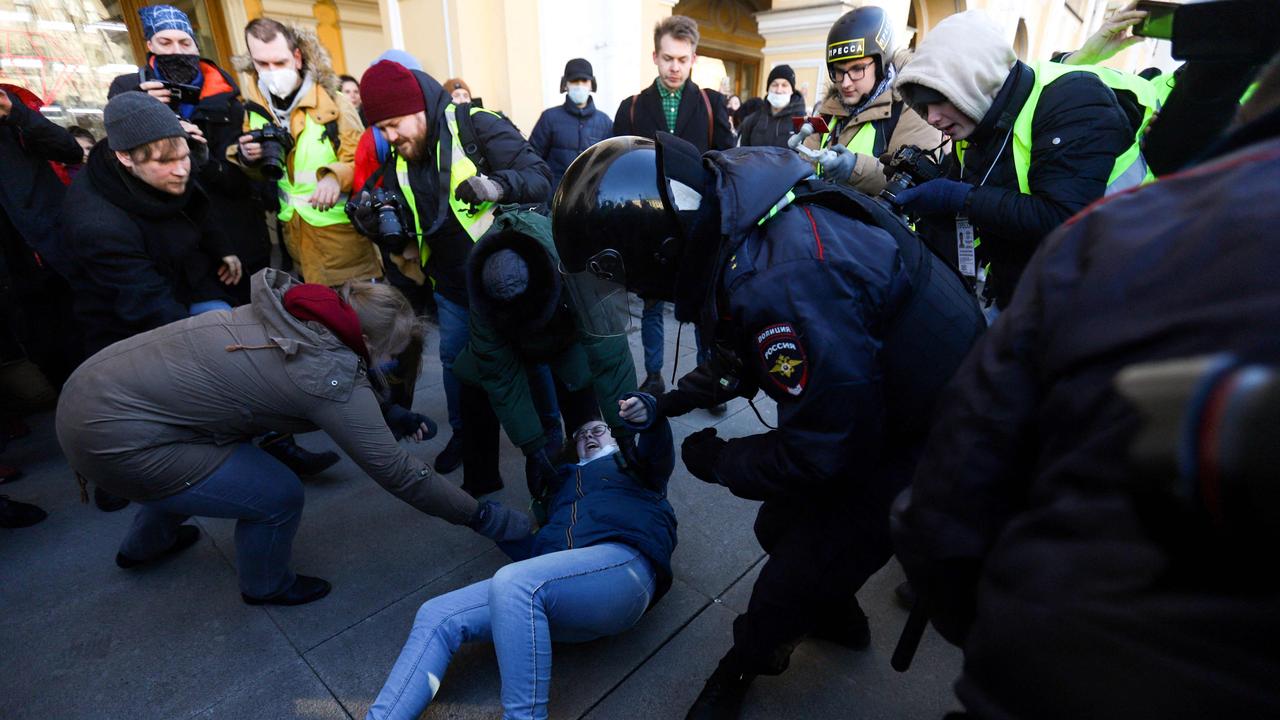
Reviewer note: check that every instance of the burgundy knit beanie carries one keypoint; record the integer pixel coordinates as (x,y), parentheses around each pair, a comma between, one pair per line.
(387,90)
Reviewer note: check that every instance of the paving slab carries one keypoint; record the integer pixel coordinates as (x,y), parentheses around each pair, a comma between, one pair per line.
(290,691)
(83,638)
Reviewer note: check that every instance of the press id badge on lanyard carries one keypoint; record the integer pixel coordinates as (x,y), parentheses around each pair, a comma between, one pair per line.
(965,245)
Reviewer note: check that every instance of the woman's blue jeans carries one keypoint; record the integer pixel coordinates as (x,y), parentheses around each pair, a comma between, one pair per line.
(253,487)
(568,596)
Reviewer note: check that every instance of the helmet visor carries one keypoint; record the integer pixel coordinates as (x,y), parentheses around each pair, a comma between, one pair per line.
(599,293)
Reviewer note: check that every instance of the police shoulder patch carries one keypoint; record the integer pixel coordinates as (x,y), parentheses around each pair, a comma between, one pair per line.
(783,358)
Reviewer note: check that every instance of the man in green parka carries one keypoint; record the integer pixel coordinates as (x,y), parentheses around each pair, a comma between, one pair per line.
(522,316)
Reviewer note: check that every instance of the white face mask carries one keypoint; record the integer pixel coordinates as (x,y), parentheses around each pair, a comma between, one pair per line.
(778,100)
(578,94)
(280,82)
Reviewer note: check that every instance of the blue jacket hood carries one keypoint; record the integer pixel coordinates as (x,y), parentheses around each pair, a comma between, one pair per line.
(749,181)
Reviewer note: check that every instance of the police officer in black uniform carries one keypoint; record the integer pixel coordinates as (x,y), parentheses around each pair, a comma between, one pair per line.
(813,293)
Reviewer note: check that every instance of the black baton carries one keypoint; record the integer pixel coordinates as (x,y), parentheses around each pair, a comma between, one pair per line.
(909,641)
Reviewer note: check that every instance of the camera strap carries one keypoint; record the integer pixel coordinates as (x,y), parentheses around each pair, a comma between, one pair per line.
(966,239)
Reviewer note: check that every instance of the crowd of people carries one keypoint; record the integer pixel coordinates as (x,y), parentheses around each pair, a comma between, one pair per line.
(846,260)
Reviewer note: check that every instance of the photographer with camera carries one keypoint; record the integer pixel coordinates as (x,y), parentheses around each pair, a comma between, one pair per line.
(753,250)
(1032,146)
(301,134)
(460,162)
(1078,582)
(207,100)
(865,114)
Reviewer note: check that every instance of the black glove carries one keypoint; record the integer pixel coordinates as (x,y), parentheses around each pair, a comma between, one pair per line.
(539,473)
(478,189)
(362,215)
(405,422)
(700,452)
(500,523)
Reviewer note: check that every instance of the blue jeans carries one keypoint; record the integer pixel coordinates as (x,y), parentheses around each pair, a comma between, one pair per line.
(253,487)
(568,596)
(455,330)
(205,306)
(651,334)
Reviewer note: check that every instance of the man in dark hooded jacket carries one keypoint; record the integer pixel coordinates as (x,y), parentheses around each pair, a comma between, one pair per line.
(206,96)
(818,296)
(462,162)
(36,301)
(522,317)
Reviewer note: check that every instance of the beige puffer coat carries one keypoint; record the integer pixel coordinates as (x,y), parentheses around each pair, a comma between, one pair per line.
(157,413)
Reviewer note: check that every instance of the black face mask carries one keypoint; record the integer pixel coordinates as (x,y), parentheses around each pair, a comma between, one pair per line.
(182,69)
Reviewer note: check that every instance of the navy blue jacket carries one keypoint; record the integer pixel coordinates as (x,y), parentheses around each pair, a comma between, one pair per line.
(1024,505)
(563,132)
(620,498)
(839,314)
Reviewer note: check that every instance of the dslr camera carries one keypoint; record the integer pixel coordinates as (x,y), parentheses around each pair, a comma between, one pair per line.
(908,167)
(276,144)
(381,216)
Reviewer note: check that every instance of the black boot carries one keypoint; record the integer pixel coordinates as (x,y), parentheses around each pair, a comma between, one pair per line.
(848,628)
(721,698)
(303,590)
(14,514)
(451,456)
(186,537)
(653,384)
(905,595)
(107,502)
(301,461)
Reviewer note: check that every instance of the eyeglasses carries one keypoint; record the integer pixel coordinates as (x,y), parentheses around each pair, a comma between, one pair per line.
(854,72)
(594,431)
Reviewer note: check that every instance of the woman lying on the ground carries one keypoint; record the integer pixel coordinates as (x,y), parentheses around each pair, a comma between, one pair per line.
(165,418)
(601,561)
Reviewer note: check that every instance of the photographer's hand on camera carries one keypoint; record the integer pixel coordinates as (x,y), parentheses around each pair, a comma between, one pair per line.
(935,197)
(250,151)
(157,90)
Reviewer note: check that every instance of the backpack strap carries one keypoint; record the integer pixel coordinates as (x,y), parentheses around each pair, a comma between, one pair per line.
(468,138)
(711,120)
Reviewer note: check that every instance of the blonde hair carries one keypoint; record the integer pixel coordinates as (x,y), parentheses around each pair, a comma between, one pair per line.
(386,317)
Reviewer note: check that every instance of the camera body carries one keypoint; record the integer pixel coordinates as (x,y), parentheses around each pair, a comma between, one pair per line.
(381,215)
(908,167)
(276,143)
(181,94)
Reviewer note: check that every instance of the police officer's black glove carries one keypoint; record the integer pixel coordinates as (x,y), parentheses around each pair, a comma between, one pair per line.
(404,423)
(700,452)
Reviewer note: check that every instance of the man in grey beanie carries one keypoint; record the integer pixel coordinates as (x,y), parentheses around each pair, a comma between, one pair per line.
(143,249)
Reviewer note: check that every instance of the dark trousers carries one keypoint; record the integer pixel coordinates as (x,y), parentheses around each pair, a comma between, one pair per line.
(821,551)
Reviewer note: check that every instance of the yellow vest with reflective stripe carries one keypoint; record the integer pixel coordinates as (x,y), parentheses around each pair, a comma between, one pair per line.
(460,168)
(406,191)
(1130,168)
(311,151)
(863,141)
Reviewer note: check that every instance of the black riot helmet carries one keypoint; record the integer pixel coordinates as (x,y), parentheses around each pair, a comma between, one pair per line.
(618,218)
(860,33)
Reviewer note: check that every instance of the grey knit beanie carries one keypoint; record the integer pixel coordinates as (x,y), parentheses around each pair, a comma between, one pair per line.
(505,275)
(134,119)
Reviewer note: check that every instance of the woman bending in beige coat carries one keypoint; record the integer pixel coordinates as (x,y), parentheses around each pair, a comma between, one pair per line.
(165,418)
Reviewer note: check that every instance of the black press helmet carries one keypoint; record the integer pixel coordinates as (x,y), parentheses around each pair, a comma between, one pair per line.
(617,223)
(864,32)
